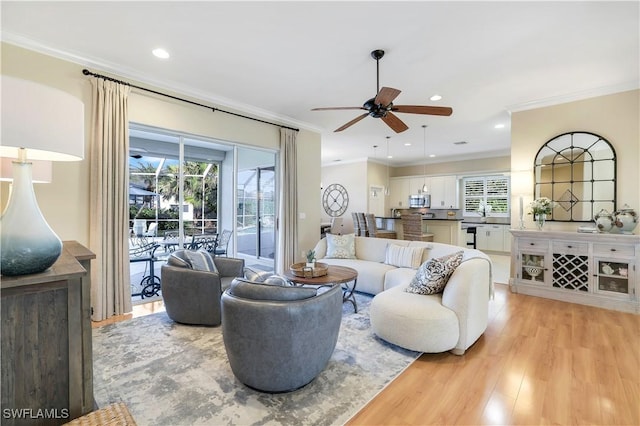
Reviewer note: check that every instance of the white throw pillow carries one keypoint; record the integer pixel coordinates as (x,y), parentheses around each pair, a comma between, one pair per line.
(433,275)
(341,246)
(403,257)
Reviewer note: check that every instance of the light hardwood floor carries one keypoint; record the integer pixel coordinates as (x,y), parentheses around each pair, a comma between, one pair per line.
(539,362)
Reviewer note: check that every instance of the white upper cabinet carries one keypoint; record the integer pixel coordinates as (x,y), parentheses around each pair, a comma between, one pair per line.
(444,192)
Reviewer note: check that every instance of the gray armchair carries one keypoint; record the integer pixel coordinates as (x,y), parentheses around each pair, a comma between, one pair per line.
(192,296)
(279,338)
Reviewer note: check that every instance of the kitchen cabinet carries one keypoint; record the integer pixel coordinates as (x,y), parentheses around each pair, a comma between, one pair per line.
(444,192)
(444,231)
(442,189)
(399,193)
(416,184)
(491,237)
(592,269)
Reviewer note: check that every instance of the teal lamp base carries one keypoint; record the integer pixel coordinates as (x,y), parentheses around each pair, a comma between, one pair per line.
(28,245)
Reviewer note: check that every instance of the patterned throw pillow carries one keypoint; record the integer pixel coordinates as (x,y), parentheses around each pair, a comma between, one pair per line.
(403,257)
(341,246)
(201,260)
(432,276)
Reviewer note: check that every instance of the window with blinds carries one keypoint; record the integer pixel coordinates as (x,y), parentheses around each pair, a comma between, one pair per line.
(486,190)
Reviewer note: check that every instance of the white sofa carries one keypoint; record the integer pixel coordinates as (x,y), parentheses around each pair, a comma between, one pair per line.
(449,321)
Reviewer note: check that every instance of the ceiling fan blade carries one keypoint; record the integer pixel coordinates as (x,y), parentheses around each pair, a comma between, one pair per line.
(386,95)
(352,122)
(422,109)
(333,108)
(394,122)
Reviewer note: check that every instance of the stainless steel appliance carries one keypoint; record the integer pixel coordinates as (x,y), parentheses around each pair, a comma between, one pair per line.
(419,201)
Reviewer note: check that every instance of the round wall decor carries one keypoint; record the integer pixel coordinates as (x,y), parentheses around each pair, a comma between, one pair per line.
(335,200)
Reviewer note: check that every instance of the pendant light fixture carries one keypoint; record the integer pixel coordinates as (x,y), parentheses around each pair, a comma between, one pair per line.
(374,193)
(386,189)
(425,189)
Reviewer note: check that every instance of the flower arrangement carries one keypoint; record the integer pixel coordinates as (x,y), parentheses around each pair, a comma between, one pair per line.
(484,209)
(542,205)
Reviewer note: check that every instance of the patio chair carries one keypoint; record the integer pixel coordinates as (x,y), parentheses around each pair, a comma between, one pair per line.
(207,242)
(143,250)
(152,230)
(223,243)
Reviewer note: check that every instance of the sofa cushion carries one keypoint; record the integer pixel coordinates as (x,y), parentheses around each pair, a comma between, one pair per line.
(432,276)
(341,246)
(259,291)
(403,257)
(398,277)
(370,274)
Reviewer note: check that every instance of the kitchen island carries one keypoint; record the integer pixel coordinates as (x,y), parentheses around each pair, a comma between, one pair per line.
(445,231)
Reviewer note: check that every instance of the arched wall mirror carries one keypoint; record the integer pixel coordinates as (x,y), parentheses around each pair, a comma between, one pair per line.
(577,171)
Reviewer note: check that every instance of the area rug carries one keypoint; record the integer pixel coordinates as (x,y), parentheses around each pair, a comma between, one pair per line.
(172,374)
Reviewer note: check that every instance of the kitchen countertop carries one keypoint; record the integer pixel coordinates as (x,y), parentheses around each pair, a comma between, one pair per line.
(424,218)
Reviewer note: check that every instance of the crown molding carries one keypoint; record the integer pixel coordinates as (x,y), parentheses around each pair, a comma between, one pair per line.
(123,73)
(576,96)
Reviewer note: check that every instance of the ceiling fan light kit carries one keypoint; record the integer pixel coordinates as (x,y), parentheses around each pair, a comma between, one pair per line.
(381,106)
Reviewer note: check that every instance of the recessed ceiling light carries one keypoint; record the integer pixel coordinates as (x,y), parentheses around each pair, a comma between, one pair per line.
(499,126)
(389,156)
(435,97)
(160,53)
(431,155)
(407,144)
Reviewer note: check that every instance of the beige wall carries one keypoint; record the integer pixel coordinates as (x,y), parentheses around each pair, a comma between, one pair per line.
(614,117)
(480,165)
(353,176)
(65,202)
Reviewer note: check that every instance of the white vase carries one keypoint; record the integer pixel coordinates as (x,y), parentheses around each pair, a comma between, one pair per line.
(28,243)
(540,220)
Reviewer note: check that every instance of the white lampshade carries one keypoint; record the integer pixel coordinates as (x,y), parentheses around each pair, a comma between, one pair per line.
(42,170)
(38,123)
(48,122)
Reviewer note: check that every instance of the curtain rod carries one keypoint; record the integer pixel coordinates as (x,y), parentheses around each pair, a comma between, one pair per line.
(104,77)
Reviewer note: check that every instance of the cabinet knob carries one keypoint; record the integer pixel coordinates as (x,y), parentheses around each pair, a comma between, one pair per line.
(532,244)
(569,246)
(613,249)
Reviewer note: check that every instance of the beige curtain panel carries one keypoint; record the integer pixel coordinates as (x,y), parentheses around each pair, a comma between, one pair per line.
(109,196)
(288,211)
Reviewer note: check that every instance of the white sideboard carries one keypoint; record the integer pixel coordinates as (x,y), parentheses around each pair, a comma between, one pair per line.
(592,269)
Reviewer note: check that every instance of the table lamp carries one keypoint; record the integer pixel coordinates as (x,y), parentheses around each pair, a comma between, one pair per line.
(38,123)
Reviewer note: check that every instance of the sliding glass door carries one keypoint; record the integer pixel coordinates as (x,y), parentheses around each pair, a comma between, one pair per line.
(256,206)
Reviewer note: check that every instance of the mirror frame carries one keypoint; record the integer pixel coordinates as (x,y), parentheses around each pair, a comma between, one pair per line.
(590,171)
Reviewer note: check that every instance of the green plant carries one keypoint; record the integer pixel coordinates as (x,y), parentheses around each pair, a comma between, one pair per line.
(311,255)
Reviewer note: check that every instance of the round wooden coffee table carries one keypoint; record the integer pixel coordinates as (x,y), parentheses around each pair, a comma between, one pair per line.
(338,275)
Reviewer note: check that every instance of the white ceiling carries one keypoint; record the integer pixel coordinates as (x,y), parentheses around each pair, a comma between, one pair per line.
(280,59)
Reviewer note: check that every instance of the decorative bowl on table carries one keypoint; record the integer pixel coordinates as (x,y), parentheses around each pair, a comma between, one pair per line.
(533,271)
(301,270)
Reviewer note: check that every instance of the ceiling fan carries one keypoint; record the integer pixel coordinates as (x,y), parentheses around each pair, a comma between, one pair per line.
(381,106)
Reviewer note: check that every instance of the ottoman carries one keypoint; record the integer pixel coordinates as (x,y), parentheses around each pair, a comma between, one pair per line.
(414,321)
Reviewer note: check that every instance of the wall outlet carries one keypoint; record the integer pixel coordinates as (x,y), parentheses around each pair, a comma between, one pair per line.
(302,215)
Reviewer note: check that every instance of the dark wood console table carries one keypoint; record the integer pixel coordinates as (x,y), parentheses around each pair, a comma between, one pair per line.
(46,364)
